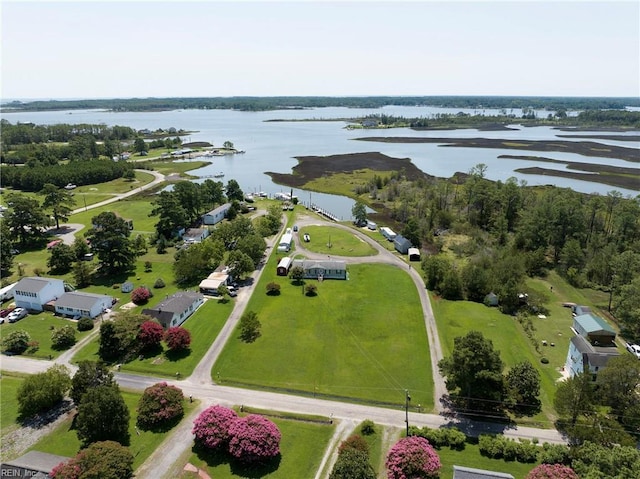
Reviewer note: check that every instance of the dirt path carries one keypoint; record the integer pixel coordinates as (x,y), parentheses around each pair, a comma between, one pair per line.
(343,431)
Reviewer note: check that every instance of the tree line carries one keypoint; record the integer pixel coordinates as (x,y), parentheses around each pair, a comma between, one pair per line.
(249,103)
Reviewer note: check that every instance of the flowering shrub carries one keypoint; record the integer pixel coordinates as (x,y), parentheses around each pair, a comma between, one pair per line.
(104,460)
(177,338)
(552,471)
(141,295)
(211,427)
(150,334)
(254,438)
(160,405)
(412,457)
(354,443)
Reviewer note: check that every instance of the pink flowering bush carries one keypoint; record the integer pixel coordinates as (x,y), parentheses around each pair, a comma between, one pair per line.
(412,457)
(177,338)
(161,405)
(150,334)
(103,460)
(211,427)
(552,471)
(141,295)
(253,439)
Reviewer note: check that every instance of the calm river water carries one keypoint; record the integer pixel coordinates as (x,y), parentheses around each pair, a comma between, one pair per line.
(272,146)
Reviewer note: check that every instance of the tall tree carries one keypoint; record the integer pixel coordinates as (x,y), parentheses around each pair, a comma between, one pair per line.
(61,259)
(190,197)
(474,373)
(359,212)
(575,397)
(109,239)
(103,416)
(6,247)
(618,386)
(42,391)
(523,383)
(26,219)
(233,191)
(171,213)
(90,374)
(59,201)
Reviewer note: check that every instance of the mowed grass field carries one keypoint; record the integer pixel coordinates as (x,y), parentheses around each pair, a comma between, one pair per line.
(9,386)
(334,241)
(301,449)
(363,339)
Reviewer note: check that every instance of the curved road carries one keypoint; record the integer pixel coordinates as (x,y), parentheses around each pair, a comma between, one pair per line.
(200,386)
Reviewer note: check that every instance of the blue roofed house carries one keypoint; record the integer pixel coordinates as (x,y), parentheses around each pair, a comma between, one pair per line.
(592,346)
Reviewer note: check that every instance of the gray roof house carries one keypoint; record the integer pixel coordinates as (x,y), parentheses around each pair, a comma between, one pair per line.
(402,244)
(175,309)
(322,269)
(34,292)
(461,472)
(585,357)
(33,464)
(79,304)
(216,215)
(195,235)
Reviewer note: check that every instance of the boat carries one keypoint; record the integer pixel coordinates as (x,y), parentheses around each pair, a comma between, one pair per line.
(219,175)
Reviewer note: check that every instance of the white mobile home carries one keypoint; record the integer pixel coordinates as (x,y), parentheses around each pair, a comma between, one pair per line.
(285,242)
(414,254)
(217,215)
(7,292)
(388,233)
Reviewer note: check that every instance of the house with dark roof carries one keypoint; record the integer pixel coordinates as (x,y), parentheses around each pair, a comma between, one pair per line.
(78,304)
(33,464)
(175,309)
(592,346)
(216,215)
(195,235)
(34,292)
(402,244)
(461,472)
(321,269)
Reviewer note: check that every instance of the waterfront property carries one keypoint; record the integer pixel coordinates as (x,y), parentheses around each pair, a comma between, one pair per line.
(388,233)
(34,292)
(78,304)
(322,269)
(414,254)
(216,215)
(175,310)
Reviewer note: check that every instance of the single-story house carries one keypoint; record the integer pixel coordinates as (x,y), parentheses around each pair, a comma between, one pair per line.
(461,472)
(87,305)
(215,216)
(34,292)
(402,244)
(211,284)
(33,464)
(414,254)
(595,329)
(284,266)
(175,310)
(584,356)
(195,235)
(322,269)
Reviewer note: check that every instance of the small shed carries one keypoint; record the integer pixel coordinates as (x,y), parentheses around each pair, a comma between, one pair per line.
(126,287)
(402,244)
(284,266)
(414,254)
(491,299)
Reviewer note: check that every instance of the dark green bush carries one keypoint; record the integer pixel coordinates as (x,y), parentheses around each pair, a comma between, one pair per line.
(85,324)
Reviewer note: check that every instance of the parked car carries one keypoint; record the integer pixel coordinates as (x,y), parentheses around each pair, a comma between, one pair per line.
(233,292)
(295,228)
(16,315)
(5,312)
(306,237)
(634,349)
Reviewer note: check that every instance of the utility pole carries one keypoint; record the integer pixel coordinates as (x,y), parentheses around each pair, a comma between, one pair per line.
(407,398)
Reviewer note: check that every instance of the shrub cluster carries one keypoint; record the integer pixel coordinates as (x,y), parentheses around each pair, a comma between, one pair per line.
(250,439)
(160,405)
(411,457)
(353,460)
(443,437)
(500,447)
(141,295)
(85,324)
(63,338)
(552,471)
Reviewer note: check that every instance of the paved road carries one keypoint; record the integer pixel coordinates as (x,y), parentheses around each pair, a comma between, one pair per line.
(200,386)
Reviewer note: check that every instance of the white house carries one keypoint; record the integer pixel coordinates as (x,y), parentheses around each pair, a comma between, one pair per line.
(79,304)
(195,235)
(34,292)
(217,215)
(216,279)
(7,292)
(175,310)
(322,269)
(592,347)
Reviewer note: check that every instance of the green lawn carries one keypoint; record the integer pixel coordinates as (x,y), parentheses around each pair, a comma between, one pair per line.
(168,166)
(334,241)
(301,450)
(363,339)
(8,404)
(137,209)
(374,441)
(204,326)
(457,318)
(64,440)
(39,326)
(470,457)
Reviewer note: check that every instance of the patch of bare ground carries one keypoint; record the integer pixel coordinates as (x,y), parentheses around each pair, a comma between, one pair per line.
(31,430)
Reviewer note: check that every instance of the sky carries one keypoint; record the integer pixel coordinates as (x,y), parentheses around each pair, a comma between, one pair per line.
(123,49)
